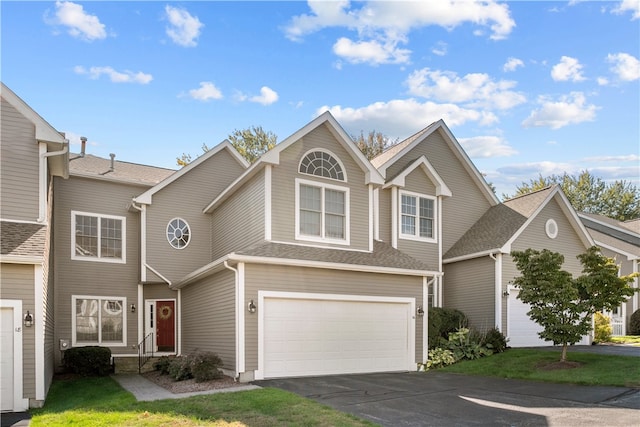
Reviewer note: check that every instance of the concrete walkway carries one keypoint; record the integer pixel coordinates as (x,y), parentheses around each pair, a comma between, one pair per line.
(145,390)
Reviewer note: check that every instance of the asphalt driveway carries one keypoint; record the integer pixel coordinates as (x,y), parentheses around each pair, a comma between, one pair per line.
(440,399)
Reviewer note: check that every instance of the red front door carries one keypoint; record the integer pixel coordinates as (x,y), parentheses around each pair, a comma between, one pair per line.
(165,325)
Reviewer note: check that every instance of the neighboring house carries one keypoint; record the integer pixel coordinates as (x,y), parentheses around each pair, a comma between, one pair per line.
(479,270)
(31,153)
(313,260)
(621,241)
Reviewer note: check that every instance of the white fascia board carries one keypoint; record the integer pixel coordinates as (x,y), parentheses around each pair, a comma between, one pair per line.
(44,131)
(330,265)
(501,250)
(428,169)
(20,259)
(147,196)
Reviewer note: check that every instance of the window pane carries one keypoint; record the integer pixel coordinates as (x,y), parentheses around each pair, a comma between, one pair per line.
(408,225)
(426,227)
(111,238)
(426,208)
(310,223)
(111,320)
(87,320)
(334,201)
(408,205)
(334,226)
(310,198)
(86,236)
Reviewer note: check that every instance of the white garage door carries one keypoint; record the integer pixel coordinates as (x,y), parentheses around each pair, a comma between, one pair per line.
(522,331)
(311,336)
(6,359)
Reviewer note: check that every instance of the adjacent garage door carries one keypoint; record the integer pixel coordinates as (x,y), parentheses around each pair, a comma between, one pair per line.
(522,331)
(306,336)
(6,359)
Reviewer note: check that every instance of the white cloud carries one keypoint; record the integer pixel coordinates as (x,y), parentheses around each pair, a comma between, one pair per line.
(569,109)
(400,118)
(382,26)
(206,92)
(567,69)
(616,159)
(372,52)
(79,23)
(475,90)
(512,64)
(440,49)
(602,81)
(184,28)
(267,96)
(625,66)
(115,76)
(486,146)
(632,6)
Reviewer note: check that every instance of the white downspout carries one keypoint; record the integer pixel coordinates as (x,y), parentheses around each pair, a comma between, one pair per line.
(634,304)
(239,312)
(438,282)
(42,185)
(498,289)
(143,271)
(394,217)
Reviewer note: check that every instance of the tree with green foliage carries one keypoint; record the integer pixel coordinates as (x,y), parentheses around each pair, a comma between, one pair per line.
(372,144)
(619,200)
(564,305)
(253,142)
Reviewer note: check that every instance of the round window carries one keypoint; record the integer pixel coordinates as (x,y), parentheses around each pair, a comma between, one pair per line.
(178,233)
(551,227)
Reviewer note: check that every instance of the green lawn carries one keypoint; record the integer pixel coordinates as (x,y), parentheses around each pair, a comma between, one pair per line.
(102,402)
(595,369)
(628,339)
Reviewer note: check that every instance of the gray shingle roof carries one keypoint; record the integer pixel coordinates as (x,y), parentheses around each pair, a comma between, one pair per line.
(22,239)
(383,255)
(90,165)
(613,242)
(498,225)
(385,156)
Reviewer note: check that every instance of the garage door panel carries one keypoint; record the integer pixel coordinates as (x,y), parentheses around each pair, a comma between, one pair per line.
(318,337)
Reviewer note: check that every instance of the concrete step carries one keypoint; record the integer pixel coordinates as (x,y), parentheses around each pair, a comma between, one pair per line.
(129,365)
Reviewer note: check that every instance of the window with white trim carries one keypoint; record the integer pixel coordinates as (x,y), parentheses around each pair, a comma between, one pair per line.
(97,237)
(178,233)
(322,212)
(417,216)
(322,163)
(99,320)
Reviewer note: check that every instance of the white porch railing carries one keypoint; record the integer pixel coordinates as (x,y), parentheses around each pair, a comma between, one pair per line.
(618,326)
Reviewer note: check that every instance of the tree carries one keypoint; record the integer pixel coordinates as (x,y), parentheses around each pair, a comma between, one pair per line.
(253,142)
(619,200)
(373,144)
(564,305)
(185,159)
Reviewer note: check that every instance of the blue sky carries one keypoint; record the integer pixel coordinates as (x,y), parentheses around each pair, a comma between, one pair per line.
(527,87)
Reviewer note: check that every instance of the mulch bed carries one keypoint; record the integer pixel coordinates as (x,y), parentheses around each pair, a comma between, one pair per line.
(187,386)
(553,366)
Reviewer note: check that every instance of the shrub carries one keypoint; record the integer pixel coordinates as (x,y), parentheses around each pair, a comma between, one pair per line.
(634,323)
(437,358)
(180,368)
(602,328)
(163,364)
(88,361)
(464,346)
(443,321)
(205,366)
(495,340)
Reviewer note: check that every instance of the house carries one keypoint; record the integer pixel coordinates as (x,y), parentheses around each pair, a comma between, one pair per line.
(32,153)
(619,240)
(312,260)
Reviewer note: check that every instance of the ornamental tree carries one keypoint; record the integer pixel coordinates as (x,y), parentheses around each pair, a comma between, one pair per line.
(564,305)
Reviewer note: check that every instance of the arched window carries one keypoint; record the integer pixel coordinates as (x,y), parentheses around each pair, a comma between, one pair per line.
(322,163)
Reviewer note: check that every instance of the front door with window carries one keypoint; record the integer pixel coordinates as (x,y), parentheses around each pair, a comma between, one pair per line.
(161,320)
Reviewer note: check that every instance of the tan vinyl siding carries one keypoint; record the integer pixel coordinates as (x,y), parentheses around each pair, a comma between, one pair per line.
(186,198)
(92,278)
(314,280)
(18,284)
(48,299)
(467,204)
(469,287)
(19,187)
(384,215)
(208,317)
(158,291)
(284,188)
(239,221)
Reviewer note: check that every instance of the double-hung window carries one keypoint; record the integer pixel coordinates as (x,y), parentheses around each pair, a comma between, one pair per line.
(417,217)
(99,320)
(98,237)
(322,212)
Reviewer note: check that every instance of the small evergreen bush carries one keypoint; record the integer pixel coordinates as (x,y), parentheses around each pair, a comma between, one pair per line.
(180,368)
(634,323)
(602,328)
(495,340)
(443,321)
(163,364)
(88,361)
(205,366)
